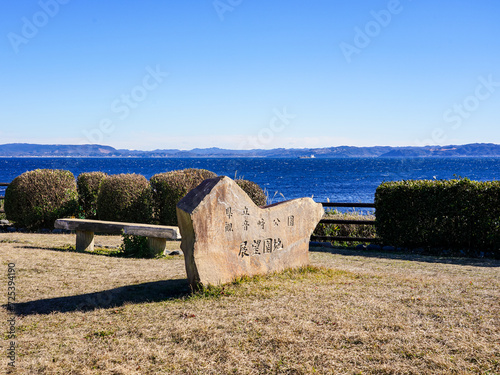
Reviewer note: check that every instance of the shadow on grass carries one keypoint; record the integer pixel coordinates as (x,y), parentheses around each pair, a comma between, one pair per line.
(476,262)
(107,252)
(115,253)
(156,291)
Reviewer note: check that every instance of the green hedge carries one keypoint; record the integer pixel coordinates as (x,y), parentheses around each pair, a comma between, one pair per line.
(170,187)
(137,247)
(35,199)
(88,189)
(452,214)
(254,191)
(124,198)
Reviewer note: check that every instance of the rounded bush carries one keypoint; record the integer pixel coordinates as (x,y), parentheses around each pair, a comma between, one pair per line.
(124,198)
(35,199)
(254,191)
(170,187)
(136,247)
(88,188)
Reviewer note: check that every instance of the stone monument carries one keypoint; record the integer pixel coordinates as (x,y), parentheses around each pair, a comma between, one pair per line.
(225,235)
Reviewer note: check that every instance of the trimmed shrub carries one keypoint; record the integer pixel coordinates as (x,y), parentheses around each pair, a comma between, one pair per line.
(35,199)
(451,214)
(124,198)
(254,191)
(88,188)
(170,187)
(136,247)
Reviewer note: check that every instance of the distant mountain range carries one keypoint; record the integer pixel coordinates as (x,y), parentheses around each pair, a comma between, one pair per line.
(35,150)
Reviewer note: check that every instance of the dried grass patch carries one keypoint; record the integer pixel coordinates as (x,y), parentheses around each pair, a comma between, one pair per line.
(349,313)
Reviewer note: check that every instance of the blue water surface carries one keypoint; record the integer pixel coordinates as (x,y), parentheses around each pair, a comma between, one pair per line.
(337,180)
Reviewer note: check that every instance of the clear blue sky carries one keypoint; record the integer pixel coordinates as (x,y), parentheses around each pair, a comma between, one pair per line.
(249,73)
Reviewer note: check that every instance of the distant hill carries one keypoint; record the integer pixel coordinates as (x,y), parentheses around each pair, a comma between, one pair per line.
(35,150)
(26,149)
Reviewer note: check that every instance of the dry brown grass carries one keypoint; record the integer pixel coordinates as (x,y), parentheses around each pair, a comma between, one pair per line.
(352,313)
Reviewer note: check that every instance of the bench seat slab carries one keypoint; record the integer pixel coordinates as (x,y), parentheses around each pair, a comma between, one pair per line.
(113,227)
(157,234)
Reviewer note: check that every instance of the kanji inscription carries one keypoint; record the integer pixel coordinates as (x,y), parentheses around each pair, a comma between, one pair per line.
(258,247)
(225,235)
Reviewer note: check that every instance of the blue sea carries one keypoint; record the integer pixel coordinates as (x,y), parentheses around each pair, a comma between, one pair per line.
(336,180)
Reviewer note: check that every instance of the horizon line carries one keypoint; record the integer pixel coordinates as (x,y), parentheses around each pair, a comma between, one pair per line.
(241,150)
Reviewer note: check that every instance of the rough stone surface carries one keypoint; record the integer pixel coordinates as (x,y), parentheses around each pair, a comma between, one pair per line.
(225,235)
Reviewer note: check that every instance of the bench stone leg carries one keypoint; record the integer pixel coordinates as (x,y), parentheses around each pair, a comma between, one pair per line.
(157,245)
(84,240)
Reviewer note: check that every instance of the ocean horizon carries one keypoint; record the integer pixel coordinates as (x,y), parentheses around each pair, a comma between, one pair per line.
(323,179)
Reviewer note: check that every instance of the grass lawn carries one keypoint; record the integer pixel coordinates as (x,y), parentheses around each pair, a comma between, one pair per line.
(351,312)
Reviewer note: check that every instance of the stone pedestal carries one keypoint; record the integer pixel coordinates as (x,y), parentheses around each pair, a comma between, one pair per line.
(157,245)
(84,240)
(225,235)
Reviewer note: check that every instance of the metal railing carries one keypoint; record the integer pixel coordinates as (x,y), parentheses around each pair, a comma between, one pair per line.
(341,221)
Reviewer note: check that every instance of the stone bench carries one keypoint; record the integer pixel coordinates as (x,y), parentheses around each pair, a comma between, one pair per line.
(157,234)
